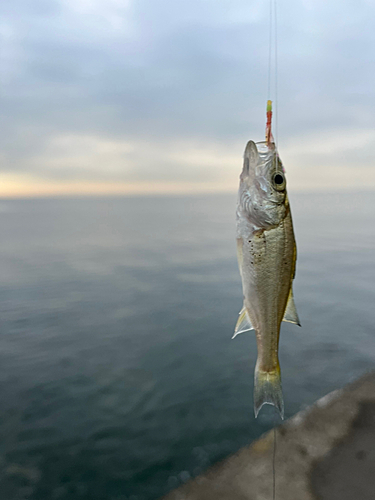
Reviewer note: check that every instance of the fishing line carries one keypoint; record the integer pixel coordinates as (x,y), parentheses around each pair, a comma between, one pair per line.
(269,54)
(272,85)
(274,462)
(276,83)
(273,45)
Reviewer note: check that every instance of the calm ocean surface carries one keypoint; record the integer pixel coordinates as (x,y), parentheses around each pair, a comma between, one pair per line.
(119,379)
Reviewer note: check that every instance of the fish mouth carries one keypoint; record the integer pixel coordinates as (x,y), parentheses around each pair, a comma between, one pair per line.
(268,147)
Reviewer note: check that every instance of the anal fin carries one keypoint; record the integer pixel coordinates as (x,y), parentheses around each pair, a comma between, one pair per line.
(243,324)
(290,315)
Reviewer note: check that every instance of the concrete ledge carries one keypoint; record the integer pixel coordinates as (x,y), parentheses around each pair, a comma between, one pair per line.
(326,452)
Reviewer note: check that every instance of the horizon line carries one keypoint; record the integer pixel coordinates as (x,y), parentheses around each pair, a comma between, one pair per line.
(163,193)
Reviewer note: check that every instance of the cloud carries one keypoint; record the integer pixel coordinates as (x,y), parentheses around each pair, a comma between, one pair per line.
(171,91)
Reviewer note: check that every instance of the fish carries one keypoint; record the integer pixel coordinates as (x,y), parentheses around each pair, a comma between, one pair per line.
(267,255)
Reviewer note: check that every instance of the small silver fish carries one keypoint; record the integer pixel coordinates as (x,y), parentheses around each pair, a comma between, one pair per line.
(267,254)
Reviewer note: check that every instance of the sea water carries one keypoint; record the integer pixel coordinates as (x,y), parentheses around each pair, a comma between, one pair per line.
(118,376)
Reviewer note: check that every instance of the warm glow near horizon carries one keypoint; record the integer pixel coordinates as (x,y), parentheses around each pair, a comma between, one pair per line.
(188,167)
(16,188)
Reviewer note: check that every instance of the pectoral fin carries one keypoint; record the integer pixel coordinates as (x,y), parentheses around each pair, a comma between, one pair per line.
(243,323)
(291,315)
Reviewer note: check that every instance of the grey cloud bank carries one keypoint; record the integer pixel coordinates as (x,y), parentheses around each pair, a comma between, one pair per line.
(137,91)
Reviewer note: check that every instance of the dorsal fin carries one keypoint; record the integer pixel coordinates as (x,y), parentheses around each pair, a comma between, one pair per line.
(243,323)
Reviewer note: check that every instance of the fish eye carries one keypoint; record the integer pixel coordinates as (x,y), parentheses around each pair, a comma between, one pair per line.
(279,181)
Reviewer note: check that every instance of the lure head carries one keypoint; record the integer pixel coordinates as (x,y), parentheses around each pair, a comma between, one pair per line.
(262,192)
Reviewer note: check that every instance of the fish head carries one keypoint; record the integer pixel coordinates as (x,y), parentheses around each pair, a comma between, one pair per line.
(262,192)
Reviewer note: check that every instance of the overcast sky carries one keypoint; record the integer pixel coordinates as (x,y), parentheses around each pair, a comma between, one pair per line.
(162,95)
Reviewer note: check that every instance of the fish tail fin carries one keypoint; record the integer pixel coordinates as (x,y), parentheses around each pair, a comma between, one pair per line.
(267,390)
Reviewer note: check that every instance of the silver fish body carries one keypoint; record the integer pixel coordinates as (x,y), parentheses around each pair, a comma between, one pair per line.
(267,255)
